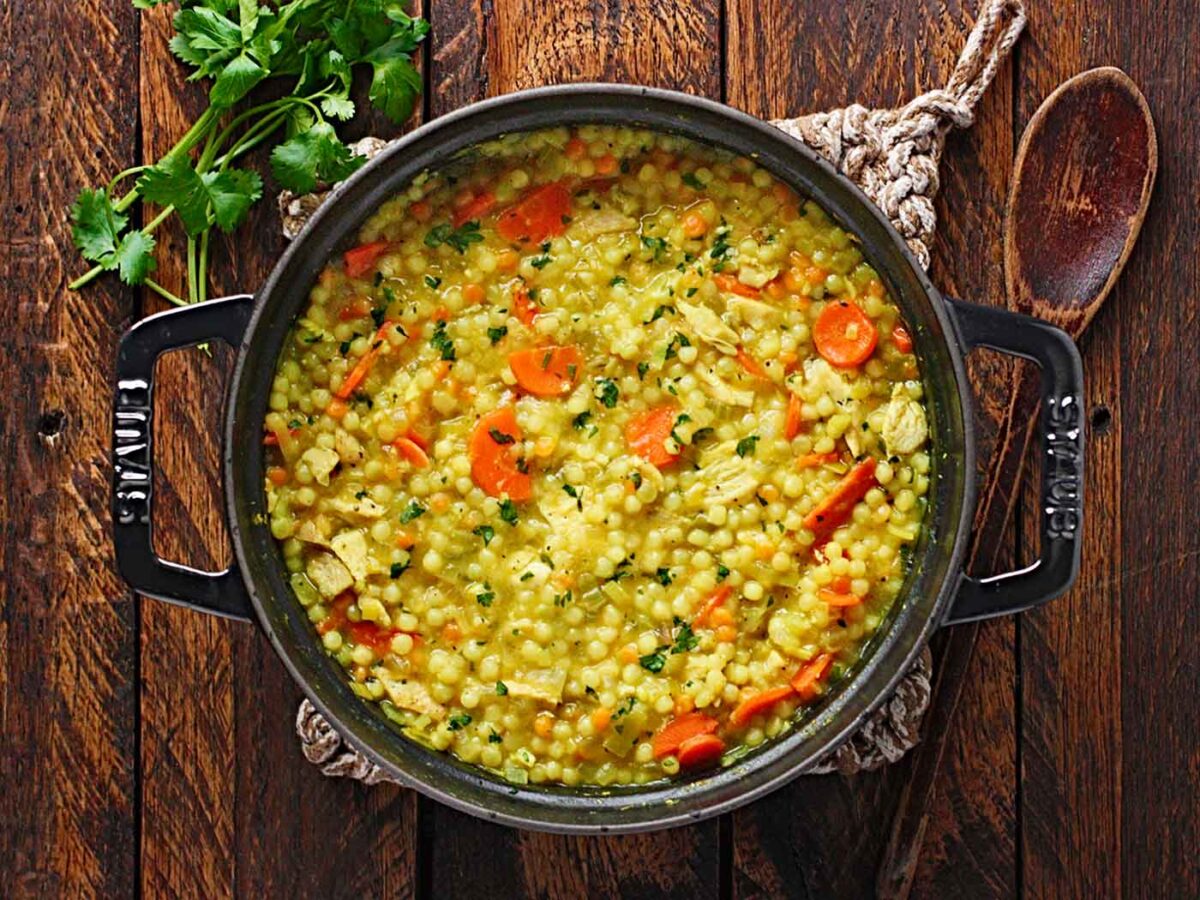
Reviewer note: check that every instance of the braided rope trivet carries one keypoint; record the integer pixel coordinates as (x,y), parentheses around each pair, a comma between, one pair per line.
(893,155)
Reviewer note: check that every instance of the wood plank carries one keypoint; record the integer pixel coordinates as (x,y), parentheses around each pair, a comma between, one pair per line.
(1070,718)
(187,666)
(1160,553)
(68,625)
(487,49)
(230,803)
(780,64)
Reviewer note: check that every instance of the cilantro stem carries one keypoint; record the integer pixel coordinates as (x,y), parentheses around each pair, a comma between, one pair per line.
(96,271)
(164,293)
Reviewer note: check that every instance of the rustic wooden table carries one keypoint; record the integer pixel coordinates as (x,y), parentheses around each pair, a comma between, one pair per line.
(147,748)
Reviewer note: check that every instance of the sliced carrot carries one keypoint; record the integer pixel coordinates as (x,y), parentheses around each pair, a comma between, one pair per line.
(730,285)
(374,636)
(775,288)
(538,216)
(360,260)
(473,292)
(411,450)
(493,458)
(750,364)
(844,334)
(839,599)
(668,738)
(901,338)
(546,371)
(606,164)
(474,209)
(523,306)
(363,367)
(357,308)
(417,438)
(807,682)
(721,616)
(601,716)
(758,703)
(646,432)
(575,149)
(791,425)
(694,225)
(277,475)
(835,507)
(700,751)
(714,602)
(813,460)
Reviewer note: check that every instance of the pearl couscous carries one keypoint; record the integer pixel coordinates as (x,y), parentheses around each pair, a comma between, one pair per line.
(598,458)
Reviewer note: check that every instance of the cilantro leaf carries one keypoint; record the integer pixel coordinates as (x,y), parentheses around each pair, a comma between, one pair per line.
(487,532)
(235,80)
(95,225)
(313,156)
(232,193)
(134,257)
(745,447)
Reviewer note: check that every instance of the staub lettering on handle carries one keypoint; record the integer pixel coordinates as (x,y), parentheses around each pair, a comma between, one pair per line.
(1064,467)
(131,452)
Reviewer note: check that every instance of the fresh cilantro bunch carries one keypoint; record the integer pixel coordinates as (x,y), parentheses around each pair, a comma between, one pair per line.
(237,44)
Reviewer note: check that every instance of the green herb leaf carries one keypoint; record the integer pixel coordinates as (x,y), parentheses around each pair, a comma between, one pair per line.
(495,335)
(500,437)
(654,662)
(722,572)
(581,421)
(398,569)
(508,512)
(487,532)
(745,447)
(608,394)
(313,156)
(685,638)
(414,510)
(664,576)
(501,691)
(95,225)
(459,238)
(459,722)
(135,257)
(486,596)
(692,181)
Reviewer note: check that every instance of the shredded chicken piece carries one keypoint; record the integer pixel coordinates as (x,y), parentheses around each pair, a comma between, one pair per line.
(329,574)
(709,327)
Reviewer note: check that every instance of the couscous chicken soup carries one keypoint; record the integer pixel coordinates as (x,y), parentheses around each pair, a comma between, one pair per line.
(598,458)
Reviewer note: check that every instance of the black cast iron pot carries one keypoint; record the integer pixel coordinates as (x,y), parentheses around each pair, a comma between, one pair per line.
(937,592)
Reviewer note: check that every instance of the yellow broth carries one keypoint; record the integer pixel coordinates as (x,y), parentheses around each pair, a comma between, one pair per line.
(598,457)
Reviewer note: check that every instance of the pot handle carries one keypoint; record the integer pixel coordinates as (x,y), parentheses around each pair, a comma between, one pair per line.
(1062,448)
(221,593)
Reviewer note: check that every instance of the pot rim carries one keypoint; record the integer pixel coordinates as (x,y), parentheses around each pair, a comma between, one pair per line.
(815,736)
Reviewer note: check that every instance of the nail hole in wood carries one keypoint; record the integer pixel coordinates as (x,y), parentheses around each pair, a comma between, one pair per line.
(50,424)
(1101,419)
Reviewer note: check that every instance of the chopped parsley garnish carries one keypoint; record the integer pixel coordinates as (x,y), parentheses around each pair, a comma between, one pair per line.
(378,314)
(540,262)
(617,279)
(636,478)
(459,238)
(459,722)
(399,569)
(642,369)
(664,576)
(527,576)
(359,495)
(577,493)
(621,571)
(654,662)
(432,283)
(722,572)
(561,600)
(581,420)
(508,512)
(609,394)
(486,596)
(589,690)
(441,341)
(496,334)
(625,708)
(679,340)
(344,347)
(412,511)
(501,691)
(721,248)
(657,244)
(500,437)
(494,738)
(692,181)
(487,532)
(659,312)
(685,638)
(745,447)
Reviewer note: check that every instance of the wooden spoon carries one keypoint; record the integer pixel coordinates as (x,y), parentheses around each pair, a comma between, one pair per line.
(1083,176)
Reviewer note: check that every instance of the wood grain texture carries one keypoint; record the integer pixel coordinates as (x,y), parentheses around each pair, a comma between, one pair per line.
(68,628)
(486,49)
(780,64)
(1109,753)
